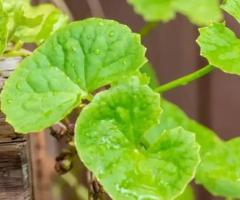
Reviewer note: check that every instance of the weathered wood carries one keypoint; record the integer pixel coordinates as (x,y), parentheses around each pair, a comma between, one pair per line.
(15,182)
(15,167)
(43,161)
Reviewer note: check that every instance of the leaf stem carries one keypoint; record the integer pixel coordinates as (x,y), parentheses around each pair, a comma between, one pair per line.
(89,97)
(19,53)
(147,28)
(185,79)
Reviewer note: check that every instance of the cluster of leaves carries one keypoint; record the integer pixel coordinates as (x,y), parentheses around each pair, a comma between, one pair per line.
(111,131)
(23,23)
(219,171)
(137,145)
(200,12)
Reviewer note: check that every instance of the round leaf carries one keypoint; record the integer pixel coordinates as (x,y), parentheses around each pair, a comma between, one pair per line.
(153,10)
(86,54)
(200,12)
(221,47)
(35,98)
(219,171)
(110,140)
(94,52)
(172,117)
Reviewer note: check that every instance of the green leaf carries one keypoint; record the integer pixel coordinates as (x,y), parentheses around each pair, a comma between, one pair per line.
(88,54)
(153,10)
(109,137)
(232,7)
(10,6)
(188,194)
(32,24)
(3,29)
(199,12)
(94,52)
(148,70)
(221,47)
(34,97)
(37,23)
(172,117)
(219,171)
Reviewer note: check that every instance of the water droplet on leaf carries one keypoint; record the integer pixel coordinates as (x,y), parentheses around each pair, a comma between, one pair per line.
(9,101)
(101,23)
(97,52)
(111,33)
(19,86)
(74,49)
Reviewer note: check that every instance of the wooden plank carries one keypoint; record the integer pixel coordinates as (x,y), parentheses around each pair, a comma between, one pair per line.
(15,172)
(15,167)
(7,133)
(43,165)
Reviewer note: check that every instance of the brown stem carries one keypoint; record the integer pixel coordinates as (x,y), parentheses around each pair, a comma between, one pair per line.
(96,191)
(96,8)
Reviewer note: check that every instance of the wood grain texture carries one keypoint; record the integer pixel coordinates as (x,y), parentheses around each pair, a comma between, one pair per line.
(15,182)
(15,167)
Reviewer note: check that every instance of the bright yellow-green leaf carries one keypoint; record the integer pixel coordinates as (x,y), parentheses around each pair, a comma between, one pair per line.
(148,70)
(172,117)
(95,52)
(37,23)
(219,171)
(110,140)
(86,54)
(221,47)
(32,24)
(154,10)
(36,97)
(200,12)
(188,194)
(233,8)
(3,28)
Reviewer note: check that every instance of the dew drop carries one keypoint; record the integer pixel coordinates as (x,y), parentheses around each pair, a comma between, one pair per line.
(9,101)
(74,49)
(97,52)
(101,23)
(136,151)
(18,86)
(111,34)
(78,81)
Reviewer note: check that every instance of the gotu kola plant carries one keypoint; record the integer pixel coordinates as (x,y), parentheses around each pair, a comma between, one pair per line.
(137,145)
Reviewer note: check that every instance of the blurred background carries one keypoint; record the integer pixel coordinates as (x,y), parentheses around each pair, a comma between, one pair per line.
(173,52)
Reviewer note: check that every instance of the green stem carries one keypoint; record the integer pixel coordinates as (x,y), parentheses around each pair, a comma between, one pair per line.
(89,97)
(185,79)
(147,28)
(19,53)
